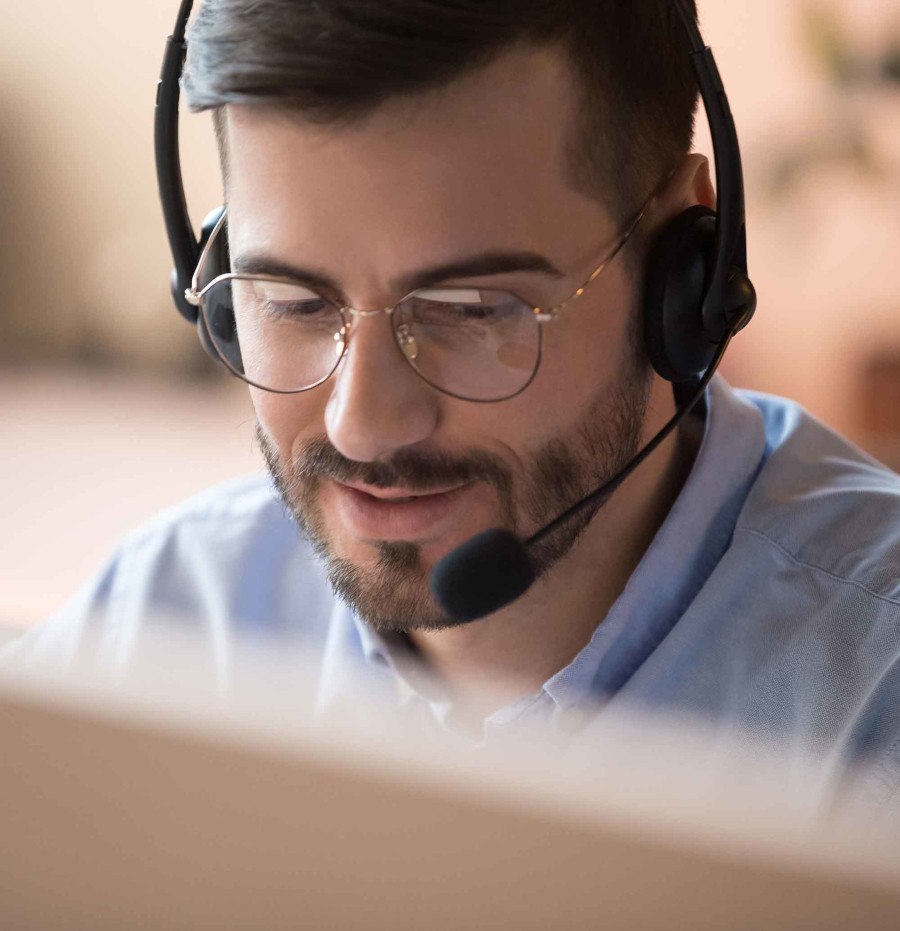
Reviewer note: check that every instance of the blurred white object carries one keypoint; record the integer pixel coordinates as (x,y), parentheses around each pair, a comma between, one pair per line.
(158,803)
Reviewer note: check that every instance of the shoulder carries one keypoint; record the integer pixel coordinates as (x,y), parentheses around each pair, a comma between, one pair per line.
(234,546)
(227,562)
(819,540)
(824,503)
(803,610)
(228,522)
(251,498)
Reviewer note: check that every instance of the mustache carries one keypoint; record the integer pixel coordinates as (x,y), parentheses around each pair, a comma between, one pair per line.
(415,470)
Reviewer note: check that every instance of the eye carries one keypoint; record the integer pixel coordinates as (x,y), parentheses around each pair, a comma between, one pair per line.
(476,311)
(279,300)
(297,309)
(461,306)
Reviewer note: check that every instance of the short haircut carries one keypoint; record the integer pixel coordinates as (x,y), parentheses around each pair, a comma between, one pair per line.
(335,61)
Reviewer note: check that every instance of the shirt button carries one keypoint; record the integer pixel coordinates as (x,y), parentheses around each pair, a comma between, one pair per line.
(573,719)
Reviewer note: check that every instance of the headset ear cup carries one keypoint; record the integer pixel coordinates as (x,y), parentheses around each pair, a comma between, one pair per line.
(217,263)
(205,340)
(679,265)
(218,328)
(177,289)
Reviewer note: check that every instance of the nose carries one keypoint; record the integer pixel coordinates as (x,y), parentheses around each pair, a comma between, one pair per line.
(378,404)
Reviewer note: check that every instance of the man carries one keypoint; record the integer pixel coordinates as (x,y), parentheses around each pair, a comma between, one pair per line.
(486,156)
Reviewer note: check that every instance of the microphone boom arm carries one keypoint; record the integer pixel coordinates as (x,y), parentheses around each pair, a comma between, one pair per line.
(613,483)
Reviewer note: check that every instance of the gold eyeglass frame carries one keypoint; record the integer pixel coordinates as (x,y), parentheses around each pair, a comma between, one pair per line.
(541,315)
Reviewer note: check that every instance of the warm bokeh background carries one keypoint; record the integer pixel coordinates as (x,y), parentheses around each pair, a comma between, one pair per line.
(109,409)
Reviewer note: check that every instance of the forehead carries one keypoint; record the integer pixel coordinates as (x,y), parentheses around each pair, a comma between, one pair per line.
(480,163)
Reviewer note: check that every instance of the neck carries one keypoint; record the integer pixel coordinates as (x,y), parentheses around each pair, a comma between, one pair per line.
(517,649)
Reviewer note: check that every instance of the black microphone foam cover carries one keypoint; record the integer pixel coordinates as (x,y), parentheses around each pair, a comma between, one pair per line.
(482,575)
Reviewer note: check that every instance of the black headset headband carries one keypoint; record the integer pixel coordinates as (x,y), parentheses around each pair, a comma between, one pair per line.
(730,244)
(182,241)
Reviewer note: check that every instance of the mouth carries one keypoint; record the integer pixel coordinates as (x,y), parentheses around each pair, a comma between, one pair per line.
(398,514)
(398,494)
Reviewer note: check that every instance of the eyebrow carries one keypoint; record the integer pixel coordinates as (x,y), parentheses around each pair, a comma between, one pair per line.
(476,266)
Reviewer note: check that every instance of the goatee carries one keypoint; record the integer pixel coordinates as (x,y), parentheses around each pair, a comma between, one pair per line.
(391,593)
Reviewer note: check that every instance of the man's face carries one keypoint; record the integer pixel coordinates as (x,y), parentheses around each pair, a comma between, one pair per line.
(384,472)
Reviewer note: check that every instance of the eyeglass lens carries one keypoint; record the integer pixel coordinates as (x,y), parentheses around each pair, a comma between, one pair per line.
(473,343)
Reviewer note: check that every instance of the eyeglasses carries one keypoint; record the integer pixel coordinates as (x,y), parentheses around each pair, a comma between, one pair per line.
(475,344)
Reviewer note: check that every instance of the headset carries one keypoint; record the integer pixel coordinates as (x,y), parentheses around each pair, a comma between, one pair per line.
(697,295)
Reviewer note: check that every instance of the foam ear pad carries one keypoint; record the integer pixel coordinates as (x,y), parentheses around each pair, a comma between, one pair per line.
(177,288)
(679,265)
(217,263)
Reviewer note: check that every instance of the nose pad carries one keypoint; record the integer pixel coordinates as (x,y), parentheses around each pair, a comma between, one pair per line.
(407,342)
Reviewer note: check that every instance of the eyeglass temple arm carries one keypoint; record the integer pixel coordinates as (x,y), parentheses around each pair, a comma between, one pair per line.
(552,312)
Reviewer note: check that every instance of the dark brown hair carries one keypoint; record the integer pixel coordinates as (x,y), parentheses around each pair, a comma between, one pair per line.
(337,60)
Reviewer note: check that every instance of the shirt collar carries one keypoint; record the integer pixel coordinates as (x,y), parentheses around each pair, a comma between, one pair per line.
(687,547)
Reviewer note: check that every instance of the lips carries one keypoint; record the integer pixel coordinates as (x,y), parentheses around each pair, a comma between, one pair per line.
(398,514)
(396,494)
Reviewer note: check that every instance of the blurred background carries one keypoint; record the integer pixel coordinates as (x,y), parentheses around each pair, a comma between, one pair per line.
(110,411)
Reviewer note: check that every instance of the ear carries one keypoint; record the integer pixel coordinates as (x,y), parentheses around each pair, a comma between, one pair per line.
(701,185)
(691,184)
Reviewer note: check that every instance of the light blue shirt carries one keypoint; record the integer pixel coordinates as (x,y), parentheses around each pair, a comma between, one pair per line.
(768,601)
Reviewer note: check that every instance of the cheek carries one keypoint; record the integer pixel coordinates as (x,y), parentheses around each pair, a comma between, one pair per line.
(290,419)
(586,352)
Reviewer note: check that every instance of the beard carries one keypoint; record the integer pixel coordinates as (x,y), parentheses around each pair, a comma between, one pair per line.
(392,595)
